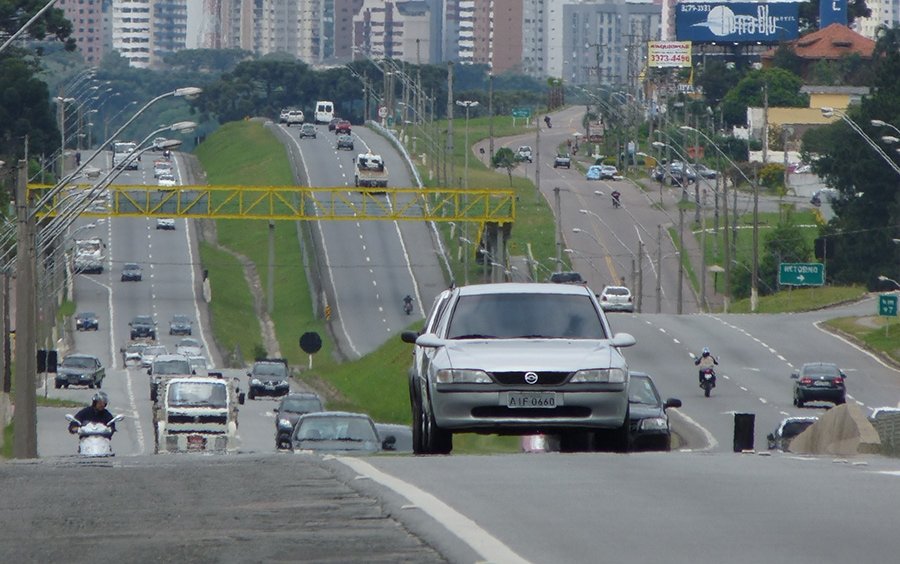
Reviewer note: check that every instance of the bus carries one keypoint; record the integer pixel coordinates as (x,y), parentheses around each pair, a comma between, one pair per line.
(324,111)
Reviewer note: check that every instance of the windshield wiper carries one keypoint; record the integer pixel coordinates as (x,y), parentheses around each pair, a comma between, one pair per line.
(474,336)
(535,336)
(351,439)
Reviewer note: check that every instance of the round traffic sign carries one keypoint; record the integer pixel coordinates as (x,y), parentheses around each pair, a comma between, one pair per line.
(310,342)
(382,111)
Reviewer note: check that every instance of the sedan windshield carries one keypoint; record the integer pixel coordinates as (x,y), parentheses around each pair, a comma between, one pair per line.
(349,429)
(172,367)
(508,316)
(78,362)
(204,394)
(640,390)
(301,405)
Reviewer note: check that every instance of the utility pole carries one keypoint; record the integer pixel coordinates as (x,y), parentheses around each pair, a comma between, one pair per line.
(727,249)
(491,118)
(680,259)
(452,178)
(559,235)
(658,268)
(754,275)
(25,417)
(640,275)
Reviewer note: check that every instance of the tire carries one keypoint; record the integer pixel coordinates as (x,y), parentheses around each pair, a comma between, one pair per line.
(841,401)
(250,394)
(58,385)
(153,393)
(99,384)
(706,390)
(418,442)
(91,385)
(798,402)
(435,440)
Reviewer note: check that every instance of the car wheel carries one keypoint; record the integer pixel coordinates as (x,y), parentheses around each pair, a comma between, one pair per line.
(435,440)
(418,431)
(58,385)
(91,385)
(841,401)
(99,384)
(798,402)
(615,440)
(250,394)
(153,393)
(66,386)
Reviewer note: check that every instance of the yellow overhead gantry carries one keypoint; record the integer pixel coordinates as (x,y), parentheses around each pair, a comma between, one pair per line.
(295,203)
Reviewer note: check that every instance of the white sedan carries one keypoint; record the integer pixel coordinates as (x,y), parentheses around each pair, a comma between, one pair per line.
(166,180)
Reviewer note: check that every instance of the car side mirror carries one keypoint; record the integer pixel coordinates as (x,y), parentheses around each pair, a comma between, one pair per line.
(409,336)
(795,375)
(771,436)
(241,398)
(276,410)
(249,375)
(389,443)
(843,375)
(672,402)
(122,349)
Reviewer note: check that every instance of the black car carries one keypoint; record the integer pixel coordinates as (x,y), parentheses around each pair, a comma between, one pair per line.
(131,272)
(345,141)
(566,278)
(790,427)
(648,419)
(332,125)
(819,381)
(269,377)
(143,327)
(562,159)
(180,325)
(87,321)
(290,409)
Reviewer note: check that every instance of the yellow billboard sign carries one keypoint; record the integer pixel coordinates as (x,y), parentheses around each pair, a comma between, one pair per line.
(668,54)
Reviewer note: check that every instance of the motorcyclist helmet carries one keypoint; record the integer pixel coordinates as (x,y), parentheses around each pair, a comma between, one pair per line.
(100,396)
(705,351)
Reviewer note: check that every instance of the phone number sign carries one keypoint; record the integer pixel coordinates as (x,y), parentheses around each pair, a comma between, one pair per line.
(668,54)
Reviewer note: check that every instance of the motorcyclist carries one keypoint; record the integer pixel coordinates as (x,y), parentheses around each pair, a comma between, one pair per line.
(407,303)
(94,413)
(615,198)
(704,361)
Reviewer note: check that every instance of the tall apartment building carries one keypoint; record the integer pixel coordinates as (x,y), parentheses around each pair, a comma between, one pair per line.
(168,32)
(131,31)
(399,30)
(884,13)
(87,27)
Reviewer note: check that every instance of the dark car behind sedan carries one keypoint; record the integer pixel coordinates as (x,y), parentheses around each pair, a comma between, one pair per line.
(131,272)
(142,327)
(649,421)
(87,321)
(819,381)
(290,409)
(790,427)
(345,141)
(180,325)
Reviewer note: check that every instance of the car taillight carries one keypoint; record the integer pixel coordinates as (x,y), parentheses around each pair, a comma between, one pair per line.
(604,299)
(806,381)
(838,381)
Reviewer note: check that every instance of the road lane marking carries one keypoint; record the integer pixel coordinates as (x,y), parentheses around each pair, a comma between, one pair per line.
(482,542)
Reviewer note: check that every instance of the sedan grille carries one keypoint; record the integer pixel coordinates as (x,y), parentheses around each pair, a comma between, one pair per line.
(543,378)
(503,412)
(217,419)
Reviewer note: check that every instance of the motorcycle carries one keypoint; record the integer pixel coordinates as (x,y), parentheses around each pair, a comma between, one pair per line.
(615,201)
(407,307)
(708,381)
(94,439)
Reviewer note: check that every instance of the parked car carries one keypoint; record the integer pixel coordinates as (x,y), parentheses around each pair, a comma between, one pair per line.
(132,272)
(523,153)
(593,172)
(132,352)
(308,130)
(345,142)
(337,432)
(647,414)
(790,427)
(608,172)
(569,277)
(616,298)
(269,377)
(180,325)
(706,172)
(819,381)
(165,223)
(562,160)
(189,347)
(499,358)
(289,410)
(143,327)
(86,321)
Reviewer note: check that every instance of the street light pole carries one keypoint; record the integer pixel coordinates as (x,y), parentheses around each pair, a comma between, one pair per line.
(25,416)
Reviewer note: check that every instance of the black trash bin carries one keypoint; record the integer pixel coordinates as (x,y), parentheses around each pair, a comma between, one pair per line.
(743,431)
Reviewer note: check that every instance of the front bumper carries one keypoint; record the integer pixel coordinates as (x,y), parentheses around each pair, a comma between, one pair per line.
(585,406)
(74,379)
(266,390)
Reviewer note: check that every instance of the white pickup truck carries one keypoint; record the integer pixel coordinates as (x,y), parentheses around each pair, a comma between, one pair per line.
(370,171)
(196,414)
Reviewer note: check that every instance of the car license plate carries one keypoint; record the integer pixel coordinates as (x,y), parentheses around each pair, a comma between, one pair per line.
(196,442)
(822,384)
(521,400)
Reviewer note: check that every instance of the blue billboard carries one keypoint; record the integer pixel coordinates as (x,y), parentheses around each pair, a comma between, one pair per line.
(736,22)
(832,11)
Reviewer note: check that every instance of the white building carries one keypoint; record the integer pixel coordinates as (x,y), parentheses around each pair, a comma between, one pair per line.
(131,31)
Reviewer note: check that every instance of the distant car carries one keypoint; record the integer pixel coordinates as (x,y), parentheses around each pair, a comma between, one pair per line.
(290,409)
(143,327)
(86,321)
(616,298)
(679,173)
(132,272)
(200,364)
(157,141)
(189,347)
(593,172)
(345,142)
(294,117)
(308,130)
(180,325)
(568,277)
(269,377)
(706,172)
(819,381)
(151,352)
(523,153)
(131,353)
(166,180)
(165,223)
(790,427)
(562,160)
(647,414)
(282,117)
(333,123)
(336,432)
(342,127)
(608,172)
(161,166)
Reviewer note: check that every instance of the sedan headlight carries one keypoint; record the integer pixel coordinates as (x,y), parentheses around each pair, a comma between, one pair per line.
(654,424)
(284,424)
(255,382)
(462,376)
(604,375)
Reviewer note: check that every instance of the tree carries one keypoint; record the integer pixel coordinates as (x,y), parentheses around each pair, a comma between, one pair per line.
(784,243)
(505,158)
(25,110)
(783,87)
(215,61)
(14,14)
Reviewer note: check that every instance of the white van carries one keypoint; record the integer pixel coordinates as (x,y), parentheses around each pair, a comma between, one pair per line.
(324,111)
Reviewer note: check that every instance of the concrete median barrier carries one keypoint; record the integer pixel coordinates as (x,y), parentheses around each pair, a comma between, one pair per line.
(842,431)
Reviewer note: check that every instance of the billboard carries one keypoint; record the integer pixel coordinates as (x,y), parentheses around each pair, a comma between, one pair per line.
(832,11)
(667,54)
(736,22)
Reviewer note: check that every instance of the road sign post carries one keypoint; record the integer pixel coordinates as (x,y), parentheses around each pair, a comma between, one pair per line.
(887,306)
(801,274)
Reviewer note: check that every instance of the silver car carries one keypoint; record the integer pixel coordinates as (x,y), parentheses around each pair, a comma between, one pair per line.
(519,359)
